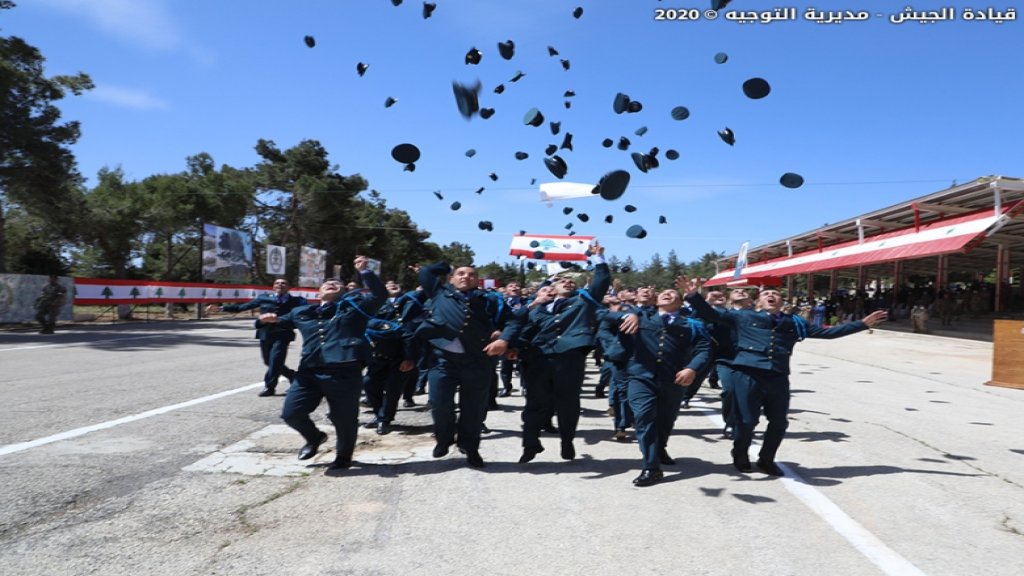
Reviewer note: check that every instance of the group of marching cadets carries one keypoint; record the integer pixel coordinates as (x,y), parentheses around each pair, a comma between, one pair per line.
(656,350)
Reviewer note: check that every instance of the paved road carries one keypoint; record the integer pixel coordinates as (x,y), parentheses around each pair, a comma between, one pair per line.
(127,450)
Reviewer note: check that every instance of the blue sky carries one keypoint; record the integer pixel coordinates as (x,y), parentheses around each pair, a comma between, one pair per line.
(870,113)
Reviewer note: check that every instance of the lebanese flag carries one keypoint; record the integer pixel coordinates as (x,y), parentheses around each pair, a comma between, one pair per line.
(550,247)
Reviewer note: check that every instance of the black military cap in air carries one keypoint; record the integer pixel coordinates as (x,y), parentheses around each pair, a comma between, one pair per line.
(522,155)
(537,254)
(565,64)
(410,167)
(583,217)
(493,176)
(567,210)
(473,56)
(671,154)
(623,143)
(629,208)
(612,185)
(390,102)
(791,180)
(310,41)
(405,153)
(721,58)
(569,94)
(555,127)
(438,194)
(567,104)
(470,153)
(719,4)
(567,141)
(499,88)
(486,225)
(456,205)
(636,231)
(480,190)
(533,117)
(640,160)
(507,49)
(577,12)
(607,142)
(662,220)
(518,76)
(486,113)
(361,68)
(551,149)
(428,9)
(609,219)
(727,136)
(621,103)
(634,106)
(641,131)
(396,2)
(552,51)
(467,98)
(533,243)
(557,166)
(568,226)
(756,88)
(680,113)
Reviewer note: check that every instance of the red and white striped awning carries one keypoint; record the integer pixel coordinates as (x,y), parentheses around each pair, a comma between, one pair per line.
(946,236)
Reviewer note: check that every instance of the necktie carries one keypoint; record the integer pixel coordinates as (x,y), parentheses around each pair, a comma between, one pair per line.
(558,305)
(666,319)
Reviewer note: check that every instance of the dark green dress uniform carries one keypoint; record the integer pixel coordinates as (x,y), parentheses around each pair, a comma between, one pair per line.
(334,353)
(274,339)
(663,345)
(562,336)
(455,329)
(760,370)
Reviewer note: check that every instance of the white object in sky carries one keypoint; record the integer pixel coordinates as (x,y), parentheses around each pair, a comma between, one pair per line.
(550,191)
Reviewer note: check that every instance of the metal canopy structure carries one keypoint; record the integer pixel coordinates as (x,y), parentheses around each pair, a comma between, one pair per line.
(972,227)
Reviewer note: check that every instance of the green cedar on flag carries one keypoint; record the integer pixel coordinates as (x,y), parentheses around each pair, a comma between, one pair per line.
(181,293)
(107,292)
(220,293)
(236,293)
(159,291)
(135,292)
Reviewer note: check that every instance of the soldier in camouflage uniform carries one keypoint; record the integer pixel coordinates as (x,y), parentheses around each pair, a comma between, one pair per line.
(49,303)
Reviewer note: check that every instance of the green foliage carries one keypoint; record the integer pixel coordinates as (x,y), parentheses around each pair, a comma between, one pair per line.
(37,169)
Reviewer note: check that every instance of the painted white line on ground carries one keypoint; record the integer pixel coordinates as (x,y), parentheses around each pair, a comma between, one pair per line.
(21,446)
(885,558)
(80,343)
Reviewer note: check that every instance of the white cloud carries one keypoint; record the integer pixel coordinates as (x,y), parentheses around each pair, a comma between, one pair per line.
(127,97)
(145,23)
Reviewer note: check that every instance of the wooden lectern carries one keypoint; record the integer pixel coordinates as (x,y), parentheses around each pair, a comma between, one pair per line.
(1008,354)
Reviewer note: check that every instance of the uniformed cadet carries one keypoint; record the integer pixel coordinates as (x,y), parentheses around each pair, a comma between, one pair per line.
(717,299)
(764,344)
(725,351)
(669,350)
(334,353)
(274,339)
(618,348)
(563,334)
(465,329)
(390,370)
(515,301)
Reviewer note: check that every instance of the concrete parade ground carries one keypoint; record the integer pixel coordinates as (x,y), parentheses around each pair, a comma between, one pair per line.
(142,449)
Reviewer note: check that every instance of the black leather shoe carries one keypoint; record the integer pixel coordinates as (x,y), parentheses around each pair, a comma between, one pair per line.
(420,391)
(648,477)
(741,462)
(409,403)
(686,403)
(728,433)
(473,459)
(372,423)
(484,429)
(383,427)
(266,392)
(530,454)
(664,458)
(599,393)
(504,393)
(310,450)
(340,464)
(440,450)
(770,468)
(568,451)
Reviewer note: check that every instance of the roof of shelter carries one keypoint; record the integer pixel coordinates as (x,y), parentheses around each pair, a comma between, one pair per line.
(995,193)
